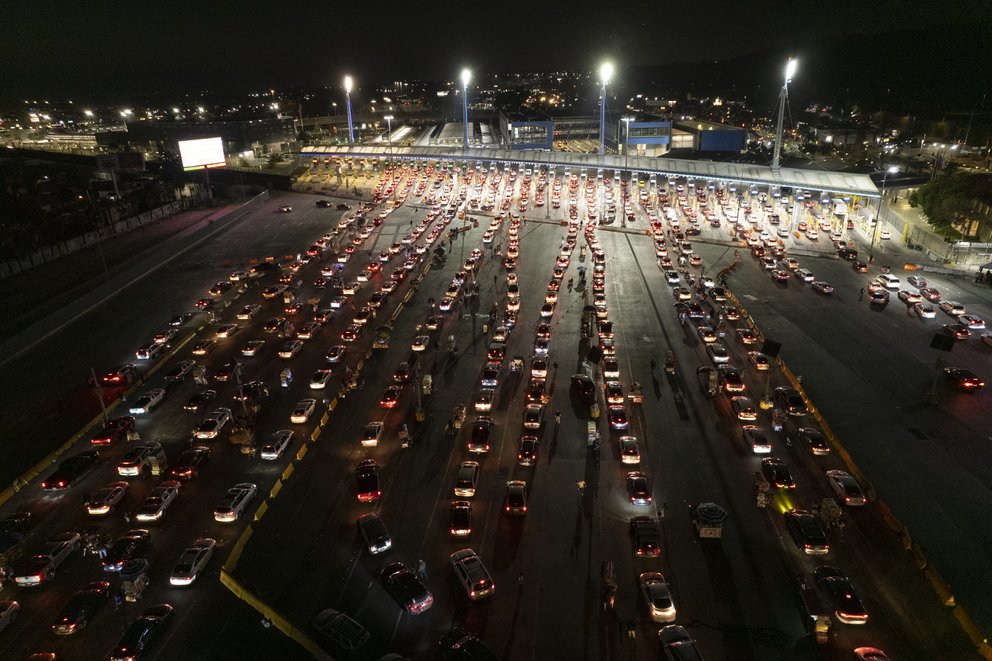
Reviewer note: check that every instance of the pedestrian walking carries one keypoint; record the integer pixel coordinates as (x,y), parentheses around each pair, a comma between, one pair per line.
(127,518)
(117,600)
(871,259)
(570,280)
(422,569)
(520,583)
(861,297)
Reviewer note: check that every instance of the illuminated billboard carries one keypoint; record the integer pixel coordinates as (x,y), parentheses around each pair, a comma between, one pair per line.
(200,154)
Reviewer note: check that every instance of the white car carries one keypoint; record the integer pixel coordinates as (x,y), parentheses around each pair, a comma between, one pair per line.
(249,311)
(290,349)
(147,401)
(320,378)
(8,613)
(234,502)
(41,565)
(104,500)
(972,322)
(302,411)
(630,452)
(338,302)
(335,354)
(759,441)
(805,275)
(847,488)
(213,424)
(953,308)
(252,348)
(925,310)
(158,501)
(657,596)
(192,562)
(372,434)
(277,444)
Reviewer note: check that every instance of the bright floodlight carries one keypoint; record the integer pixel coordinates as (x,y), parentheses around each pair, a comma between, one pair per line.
(466,76)
(347,84)
(790,69)
(605,72)
(893,169)
(388,118)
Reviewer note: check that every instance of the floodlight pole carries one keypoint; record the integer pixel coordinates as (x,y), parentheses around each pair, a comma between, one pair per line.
(466,77)
(790,69)
(351,126)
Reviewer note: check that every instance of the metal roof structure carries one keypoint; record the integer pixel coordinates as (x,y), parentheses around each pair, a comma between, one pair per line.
(837,183)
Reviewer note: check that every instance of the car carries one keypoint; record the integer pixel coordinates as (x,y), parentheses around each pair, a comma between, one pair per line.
(290,348)
(460,518)
(252,347)
(859,266)
(472,574)
(584,388)
(924,310)
(527,450)
(372,434)
(181,319)
(806,532)
(813,439)
(746,337)
(777,473)
(847,606)
(682,294)
(226,331)
(717,353)
(274,325)
(515,498)
(478,441)
(40,566)
(539,367)
(302,411)
(533,416)
(146,401)
(870,654)
(672,278)
(285,208)
(957,331)
(778,275)
(964,379)
(757,439)
(536,391)
(233,504)
(804,275)
(142,633)
(930,294)
(367,481)
(391,396)
(466,479)
(158,501)
(406,588)
(114,430)
(952,308)
(213,424)
(192,562)
(107,498)
(122,375)
(189,462)
(613,392)
(345,632)
(71,470)
(909,297)
(790,400)
(657,596)
(645,536)
(180,371)
(917,281)
(822,287)
(320,378)
(707,334)
(81,607)
(617,415)
(351,333)
(335,354)
(846,488)
(730,379)
(972,322)
(744,408)
(420,343)
(630,452)
(483,400)
(130,545)
(277,445)
(638,488)
(490,375)
(760,361)
(274,291)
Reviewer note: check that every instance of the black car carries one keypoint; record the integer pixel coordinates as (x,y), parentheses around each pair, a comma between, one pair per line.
(180,319)
(253,390)
(481,430)
(848,253)
(71,471)
(322,204)
(116,429)
(189,462)
(367,480)
(131,545)
(81,608)
(807,532)
(226,372)
(777,473)
(790,400)
(585,389)
(964,379)
(139,637)
(846,603)
(645,536)
(814,440)
(461,518)
(200,400)
(406,588)
(459,645)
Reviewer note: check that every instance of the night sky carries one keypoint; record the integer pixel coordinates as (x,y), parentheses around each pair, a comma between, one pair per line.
(62,47)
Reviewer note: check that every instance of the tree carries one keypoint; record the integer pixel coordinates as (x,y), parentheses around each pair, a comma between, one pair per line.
(951,199)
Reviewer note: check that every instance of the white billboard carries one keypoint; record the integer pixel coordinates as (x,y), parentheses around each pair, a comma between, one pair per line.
(203,153)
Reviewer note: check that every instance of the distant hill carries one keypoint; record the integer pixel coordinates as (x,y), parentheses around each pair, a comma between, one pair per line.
(940,69)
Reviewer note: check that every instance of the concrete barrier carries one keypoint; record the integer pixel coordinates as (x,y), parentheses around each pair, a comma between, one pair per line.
(288,472)
(260,512)
(921,560)
(276,488)
(315,434)
(232,559)
(890,519)
(302,452)
(970,629)
(941,587)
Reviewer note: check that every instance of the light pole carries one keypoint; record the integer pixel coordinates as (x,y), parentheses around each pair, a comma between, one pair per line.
(626,138)
(347,93)
(389,131)
(790,70)
(892,169)
(605,73)
(466,77)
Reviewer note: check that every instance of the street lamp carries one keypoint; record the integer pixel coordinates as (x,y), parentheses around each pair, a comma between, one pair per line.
(790,71)
(347,93)
(626,138)
(466,77)
(389,130)
(605,73)
(892,169)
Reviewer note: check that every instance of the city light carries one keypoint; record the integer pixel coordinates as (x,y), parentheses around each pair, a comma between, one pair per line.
(347,84)
(606,72)
(790,69)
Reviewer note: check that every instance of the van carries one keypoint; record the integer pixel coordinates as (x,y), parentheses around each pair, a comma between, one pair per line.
(888,281)
(374,533)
